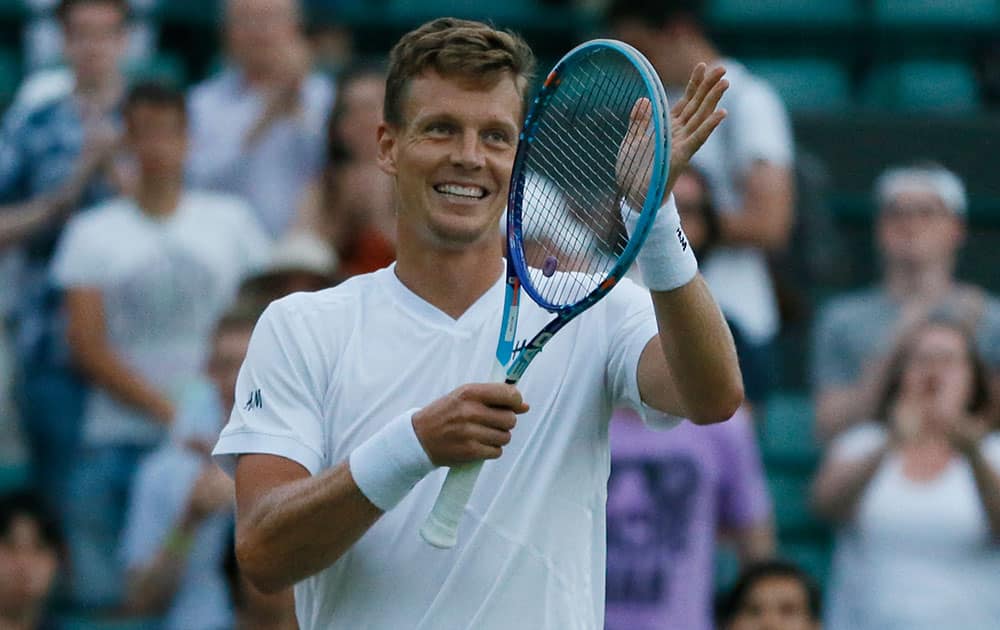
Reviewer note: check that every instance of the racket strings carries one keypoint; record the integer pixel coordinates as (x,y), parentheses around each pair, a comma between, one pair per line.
(574,192)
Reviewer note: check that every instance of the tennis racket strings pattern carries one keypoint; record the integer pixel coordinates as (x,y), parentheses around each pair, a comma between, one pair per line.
(593,153)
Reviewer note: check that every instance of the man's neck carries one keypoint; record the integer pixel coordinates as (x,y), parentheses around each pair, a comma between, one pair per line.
(451,280)
(158,197)
(908,283)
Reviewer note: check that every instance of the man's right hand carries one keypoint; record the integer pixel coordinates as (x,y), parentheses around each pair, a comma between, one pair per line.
(471,423)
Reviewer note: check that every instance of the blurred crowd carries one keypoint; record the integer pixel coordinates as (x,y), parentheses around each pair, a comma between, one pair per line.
(144,229)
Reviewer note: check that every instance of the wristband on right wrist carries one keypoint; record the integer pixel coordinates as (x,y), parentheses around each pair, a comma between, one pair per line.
(388,464)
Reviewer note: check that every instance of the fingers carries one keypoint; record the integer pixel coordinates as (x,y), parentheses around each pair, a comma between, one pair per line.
(690,90)
(703,91)
(499,395)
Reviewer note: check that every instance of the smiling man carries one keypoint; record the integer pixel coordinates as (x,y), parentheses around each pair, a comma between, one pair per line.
(366,391)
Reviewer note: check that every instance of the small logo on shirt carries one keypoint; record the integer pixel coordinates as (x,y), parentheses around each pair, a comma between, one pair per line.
(254,402)
(682,239)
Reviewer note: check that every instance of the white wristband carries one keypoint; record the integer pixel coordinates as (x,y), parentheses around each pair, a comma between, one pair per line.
(388,464)
(666,260)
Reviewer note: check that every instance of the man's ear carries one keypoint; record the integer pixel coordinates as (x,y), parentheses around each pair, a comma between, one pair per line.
(387,138)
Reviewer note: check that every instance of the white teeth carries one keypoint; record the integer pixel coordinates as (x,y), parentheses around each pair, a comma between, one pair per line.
(474,192)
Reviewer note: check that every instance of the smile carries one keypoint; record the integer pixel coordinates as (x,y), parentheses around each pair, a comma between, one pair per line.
(465,192)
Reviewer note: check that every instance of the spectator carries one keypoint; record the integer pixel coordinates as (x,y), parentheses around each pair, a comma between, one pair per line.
(30,553)
(670,498)
(919,229)
(772,595)
(146,278)
(56,157)
(748,163)
(351,204)
(915,494)
(43,39)
(257,128)
(180,512)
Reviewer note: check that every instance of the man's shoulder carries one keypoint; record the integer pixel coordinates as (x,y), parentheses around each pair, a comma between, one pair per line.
(105,215)
(215,86)
(41,113)
(327,306)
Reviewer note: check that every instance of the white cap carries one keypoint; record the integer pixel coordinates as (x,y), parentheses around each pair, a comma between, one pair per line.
(930,178)
(302,251)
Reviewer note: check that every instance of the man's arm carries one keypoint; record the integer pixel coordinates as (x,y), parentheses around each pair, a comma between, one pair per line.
(690,369)
(766,217)
(87,336)
(706,385)
(290,525)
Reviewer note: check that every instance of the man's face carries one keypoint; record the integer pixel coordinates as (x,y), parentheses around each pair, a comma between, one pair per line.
(258,31)
(916,228)
(27,567)
(775,603)
(95,40)
(452,158)
(157,136)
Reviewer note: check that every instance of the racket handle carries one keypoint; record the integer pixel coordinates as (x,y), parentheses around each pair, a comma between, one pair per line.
(441,527)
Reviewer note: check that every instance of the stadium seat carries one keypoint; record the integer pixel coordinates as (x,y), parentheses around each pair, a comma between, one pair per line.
(923,86)
(10,75)
(13,477)
(787,436)
(162,67)
(806,84)
(792,513)
(500,12)
(813,557)
(936,13)
(782,12)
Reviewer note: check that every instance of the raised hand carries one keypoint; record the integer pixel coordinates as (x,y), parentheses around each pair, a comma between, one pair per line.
(695,116)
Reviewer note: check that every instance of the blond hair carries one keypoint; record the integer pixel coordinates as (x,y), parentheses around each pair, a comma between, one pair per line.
(455,49)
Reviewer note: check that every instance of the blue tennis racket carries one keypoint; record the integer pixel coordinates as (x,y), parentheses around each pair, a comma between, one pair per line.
(593,153)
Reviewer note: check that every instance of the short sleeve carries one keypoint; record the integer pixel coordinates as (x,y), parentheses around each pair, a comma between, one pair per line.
(632,324)
(81,258)
(991,449)
(759,128)
(859,442)
(744,500)
(278,408)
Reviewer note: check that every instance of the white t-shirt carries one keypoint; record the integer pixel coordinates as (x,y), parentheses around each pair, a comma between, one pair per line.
(327,370)
(919,555)
(164,283)
(160,495)
(756,128)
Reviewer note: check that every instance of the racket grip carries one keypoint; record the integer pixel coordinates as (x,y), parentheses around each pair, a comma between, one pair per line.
(441,527)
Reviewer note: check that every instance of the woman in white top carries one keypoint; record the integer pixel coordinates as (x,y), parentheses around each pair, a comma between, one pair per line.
(916,496)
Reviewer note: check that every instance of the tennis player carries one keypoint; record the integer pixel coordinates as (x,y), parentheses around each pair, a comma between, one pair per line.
(353,399)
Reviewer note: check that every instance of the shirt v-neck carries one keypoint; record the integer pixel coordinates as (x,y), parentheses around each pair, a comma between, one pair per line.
(468,323)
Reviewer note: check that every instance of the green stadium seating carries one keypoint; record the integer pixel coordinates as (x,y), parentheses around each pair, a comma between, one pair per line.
(500,12)
(782,12)
(813,557)
(936,13)
(929,86)
(806,84)
(792,513)
(13,477)
(787,437)
(10,75)
(162,67)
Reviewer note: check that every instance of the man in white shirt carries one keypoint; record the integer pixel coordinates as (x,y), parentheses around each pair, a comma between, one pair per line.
(748,163)
(352,400)
(258,129)
(145,278)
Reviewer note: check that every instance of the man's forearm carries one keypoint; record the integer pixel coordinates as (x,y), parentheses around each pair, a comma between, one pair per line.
(20,221)
(301,528)
(105,369)
(699,352)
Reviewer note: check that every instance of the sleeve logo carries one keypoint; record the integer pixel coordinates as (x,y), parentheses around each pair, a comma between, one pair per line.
(682,239)
(254,402)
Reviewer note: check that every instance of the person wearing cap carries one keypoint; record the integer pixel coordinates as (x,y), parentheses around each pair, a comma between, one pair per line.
(919,229)
(299,261)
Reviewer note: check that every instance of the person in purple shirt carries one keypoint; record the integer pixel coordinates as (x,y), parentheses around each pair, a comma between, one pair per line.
(671,495)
